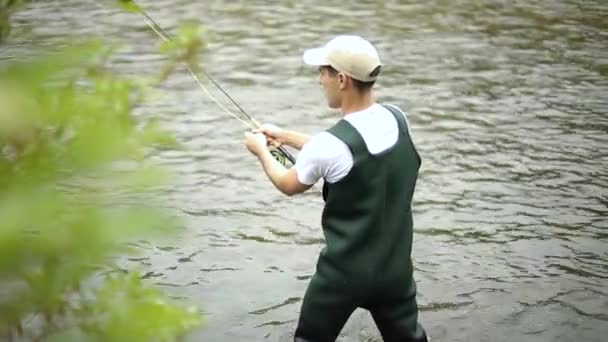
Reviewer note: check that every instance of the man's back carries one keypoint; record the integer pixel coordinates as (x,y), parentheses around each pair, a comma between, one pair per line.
(367,217)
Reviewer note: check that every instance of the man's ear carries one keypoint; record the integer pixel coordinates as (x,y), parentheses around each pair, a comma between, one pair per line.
(342,79)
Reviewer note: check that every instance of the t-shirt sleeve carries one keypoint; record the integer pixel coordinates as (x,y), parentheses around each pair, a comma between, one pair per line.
(324,156)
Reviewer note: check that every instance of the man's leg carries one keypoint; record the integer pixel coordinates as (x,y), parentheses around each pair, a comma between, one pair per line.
(396,315)
(396,326)
(325,310)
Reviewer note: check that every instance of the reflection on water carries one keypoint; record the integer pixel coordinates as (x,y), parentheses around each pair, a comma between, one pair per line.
(509,112)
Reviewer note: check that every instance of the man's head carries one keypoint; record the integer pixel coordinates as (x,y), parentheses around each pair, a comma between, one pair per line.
(348,65)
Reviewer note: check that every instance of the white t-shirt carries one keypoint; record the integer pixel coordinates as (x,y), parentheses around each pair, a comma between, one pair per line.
(325,156)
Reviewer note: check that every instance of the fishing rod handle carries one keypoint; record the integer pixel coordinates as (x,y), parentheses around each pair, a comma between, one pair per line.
(287,155)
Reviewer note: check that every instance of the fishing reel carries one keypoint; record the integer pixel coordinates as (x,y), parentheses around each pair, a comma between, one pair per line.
(278,156)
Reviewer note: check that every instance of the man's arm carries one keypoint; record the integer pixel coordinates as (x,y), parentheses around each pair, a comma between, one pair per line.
(294,139)
(286,180)
(283,136)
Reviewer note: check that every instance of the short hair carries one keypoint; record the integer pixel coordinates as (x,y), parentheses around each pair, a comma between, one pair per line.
(331,70)
(359,85)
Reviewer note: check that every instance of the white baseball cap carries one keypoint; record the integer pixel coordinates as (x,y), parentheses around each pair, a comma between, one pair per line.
(352,55)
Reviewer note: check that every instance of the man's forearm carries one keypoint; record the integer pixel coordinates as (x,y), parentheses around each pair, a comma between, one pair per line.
(285,180)
(274,170)
(294,139)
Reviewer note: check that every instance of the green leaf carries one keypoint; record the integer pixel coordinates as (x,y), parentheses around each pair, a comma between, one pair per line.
(129,6)
(138,312)
(73,195)
(73,334)
(153,135)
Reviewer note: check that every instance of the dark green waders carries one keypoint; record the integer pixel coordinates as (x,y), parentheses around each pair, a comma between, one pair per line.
(367,222)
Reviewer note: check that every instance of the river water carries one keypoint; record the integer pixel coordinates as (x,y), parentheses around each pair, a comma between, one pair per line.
(508,102)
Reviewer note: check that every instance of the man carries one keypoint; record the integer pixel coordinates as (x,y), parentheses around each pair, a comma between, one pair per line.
(370,166)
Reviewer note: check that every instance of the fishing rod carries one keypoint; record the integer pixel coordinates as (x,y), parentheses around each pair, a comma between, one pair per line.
(283,153)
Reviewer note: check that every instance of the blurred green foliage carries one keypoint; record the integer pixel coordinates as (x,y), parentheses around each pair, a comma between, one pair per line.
(74,189)
(7,7)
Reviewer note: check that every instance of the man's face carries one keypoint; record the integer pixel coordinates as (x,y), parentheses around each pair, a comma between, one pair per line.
(331,88)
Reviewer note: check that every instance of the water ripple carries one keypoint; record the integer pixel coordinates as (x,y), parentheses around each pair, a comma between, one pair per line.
(508,107)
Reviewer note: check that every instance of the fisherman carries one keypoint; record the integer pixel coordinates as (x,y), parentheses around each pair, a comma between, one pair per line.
(369,166)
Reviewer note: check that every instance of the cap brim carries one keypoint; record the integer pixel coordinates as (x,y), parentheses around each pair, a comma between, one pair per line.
(316,56)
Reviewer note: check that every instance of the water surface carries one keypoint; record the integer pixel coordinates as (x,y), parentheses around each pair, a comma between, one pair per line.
(508,102)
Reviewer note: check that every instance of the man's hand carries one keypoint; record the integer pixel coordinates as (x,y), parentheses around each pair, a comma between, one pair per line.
(275,135)
(286,180)
(255,142)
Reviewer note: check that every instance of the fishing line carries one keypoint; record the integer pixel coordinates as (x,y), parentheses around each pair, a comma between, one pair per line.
(165,36)
(279,155)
